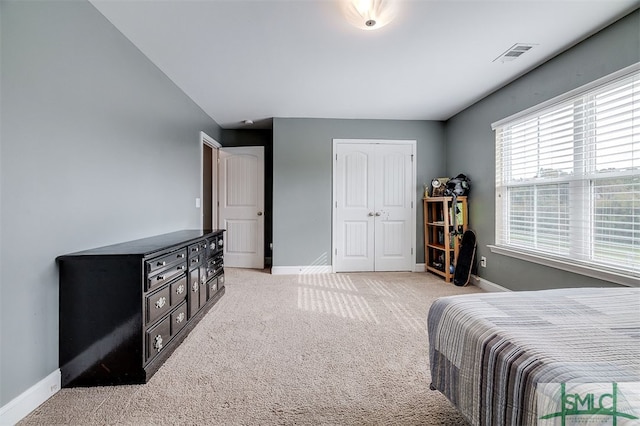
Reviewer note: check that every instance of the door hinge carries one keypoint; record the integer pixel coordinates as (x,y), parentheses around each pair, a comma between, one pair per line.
(412,158)
(336,204)
(336,252)
(336,157)
(411,250)
(412,204)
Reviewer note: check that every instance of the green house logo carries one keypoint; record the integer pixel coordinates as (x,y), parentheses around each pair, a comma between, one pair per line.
(566,404)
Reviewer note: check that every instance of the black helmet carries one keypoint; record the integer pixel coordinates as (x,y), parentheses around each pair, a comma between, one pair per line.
(457,186)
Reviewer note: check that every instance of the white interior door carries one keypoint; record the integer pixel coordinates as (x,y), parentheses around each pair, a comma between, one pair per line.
(394,213)
(354,208)
(374,214)
(241,210)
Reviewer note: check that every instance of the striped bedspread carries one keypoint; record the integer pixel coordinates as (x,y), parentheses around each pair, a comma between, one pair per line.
(491,353)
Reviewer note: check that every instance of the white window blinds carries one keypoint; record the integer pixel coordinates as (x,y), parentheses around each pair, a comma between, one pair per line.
(568,177)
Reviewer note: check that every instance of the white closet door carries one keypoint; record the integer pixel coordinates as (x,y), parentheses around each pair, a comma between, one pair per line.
(373,207)
(394,210)
(355,207)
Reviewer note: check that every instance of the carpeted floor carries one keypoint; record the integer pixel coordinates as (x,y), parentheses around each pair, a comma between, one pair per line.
(326,349)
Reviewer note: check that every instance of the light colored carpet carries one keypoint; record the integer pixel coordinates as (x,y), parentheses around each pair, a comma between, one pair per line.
(337,349)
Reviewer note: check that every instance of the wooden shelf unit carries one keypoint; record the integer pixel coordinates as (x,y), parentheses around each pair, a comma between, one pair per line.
(440,246)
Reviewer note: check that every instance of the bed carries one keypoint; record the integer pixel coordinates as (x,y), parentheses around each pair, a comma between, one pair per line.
(497,356)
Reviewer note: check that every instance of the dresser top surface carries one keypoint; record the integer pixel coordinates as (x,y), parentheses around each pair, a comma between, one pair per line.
(149,245)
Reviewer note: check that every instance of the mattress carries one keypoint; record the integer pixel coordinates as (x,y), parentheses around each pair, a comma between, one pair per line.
(496,356)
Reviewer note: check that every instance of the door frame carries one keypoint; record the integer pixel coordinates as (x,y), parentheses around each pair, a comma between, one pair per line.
(215,146)
(334,226)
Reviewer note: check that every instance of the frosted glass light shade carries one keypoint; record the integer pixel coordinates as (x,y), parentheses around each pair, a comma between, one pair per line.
(369,14)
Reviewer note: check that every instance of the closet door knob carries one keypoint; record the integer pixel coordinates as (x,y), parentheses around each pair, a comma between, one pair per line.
(377,213)
(259,213)
(370,213)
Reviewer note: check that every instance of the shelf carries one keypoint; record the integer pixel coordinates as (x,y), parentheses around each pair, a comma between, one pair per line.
(436,270)
(440,246)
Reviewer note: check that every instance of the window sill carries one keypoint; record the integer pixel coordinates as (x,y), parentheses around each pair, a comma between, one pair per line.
(577,268)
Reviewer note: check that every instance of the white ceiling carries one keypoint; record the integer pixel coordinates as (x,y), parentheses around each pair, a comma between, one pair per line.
(241,59)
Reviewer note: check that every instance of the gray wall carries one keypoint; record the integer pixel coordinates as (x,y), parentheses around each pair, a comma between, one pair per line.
(302,173)
(470,145)
(97,147)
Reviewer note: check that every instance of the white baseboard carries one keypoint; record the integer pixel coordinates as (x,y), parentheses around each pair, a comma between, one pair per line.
(20,406)
(317,269)
(301,270)
(487,285)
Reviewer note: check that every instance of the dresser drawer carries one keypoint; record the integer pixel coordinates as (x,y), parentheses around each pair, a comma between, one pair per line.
(214,265)
(212,287)
(160,262)
(179,290)
(194,291)
(213,243)
(178,319)
(203,286)
(195,260)
(166,275)
(219,244)
(157,337)
(197,248)
(158,304)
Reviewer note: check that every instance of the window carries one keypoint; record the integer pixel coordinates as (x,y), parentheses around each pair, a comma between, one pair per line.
(568,178)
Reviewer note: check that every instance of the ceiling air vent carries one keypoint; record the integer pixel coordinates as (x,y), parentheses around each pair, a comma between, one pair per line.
(514,52)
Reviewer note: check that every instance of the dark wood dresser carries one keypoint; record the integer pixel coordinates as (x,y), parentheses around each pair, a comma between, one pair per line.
(124,308)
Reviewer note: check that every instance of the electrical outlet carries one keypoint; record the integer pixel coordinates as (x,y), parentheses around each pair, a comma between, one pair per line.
(483,261)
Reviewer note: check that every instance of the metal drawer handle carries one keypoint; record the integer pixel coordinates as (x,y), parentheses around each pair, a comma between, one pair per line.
(180,289)
(161,263)
(180,318)
(194,287)
(181,268)
(194,260)
(161,302)
(160,277)
(157,342)
(181,256)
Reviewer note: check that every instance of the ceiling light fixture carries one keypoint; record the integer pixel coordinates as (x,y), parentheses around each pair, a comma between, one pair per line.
(369,14)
